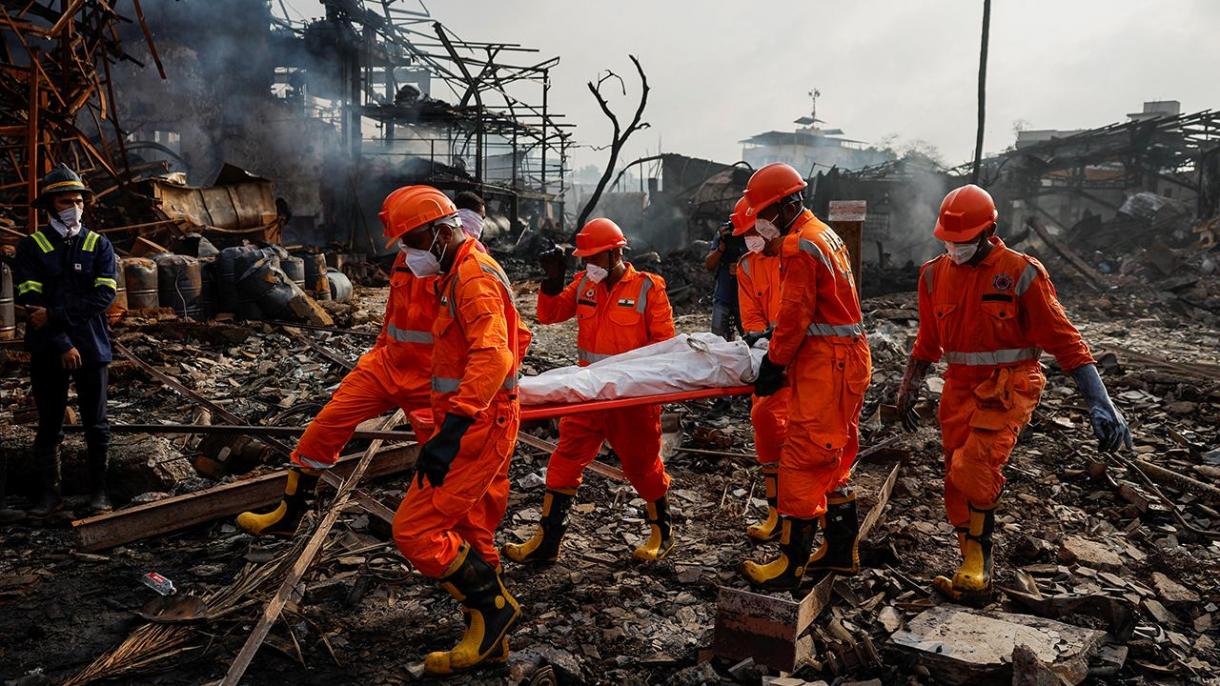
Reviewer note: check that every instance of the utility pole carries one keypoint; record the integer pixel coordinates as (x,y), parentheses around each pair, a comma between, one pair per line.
(978,140)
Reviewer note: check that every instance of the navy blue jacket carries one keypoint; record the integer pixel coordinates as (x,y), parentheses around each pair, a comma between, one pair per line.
(74,278)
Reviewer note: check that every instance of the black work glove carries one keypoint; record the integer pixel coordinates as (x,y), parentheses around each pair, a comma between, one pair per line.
(553,263)
(770,379)
(1109,425)
(440,450)
(908,393)
(753,337)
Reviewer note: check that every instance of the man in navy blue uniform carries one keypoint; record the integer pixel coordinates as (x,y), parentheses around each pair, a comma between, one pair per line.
(65,279)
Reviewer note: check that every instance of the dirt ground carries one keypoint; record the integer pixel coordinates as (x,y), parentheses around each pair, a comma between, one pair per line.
(598,617)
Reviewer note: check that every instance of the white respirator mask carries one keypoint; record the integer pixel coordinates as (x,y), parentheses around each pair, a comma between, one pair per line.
(421,262)
(67,220)
(961,253)
(472,223)
(756,244)
(595,273)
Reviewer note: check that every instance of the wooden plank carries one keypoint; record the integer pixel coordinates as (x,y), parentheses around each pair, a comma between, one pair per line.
(272,611)
(1091,276)
(172,514)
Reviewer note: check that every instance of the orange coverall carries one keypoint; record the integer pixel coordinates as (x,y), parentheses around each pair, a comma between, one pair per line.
(758,298)
(479,344)
(819,337)
(990,322)
(395,373)
(631,315)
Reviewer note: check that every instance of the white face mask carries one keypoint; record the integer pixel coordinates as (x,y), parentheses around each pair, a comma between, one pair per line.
(766,229)
(755,243)
(595,273)
(961,253)
(421,262)
(472,223)
(67,221)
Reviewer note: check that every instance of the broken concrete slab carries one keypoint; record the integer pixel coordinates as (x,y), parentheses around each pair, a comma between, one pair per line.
(1028,670)
(1171,591)
(1083,551)
(963,646)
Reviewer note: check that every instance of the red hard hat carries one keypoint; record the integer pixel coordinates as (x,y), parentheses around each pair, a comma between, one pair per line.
(412,207)
(771,184)
(742,217)
(597,236)
(965,213)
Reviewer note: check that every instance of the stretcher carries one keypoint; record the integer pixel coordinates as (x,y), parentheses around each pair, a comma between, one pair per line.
(423,417)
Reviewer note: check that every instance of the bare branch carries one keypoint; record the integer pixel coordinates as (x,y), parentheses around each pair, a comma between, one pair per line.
(619,136)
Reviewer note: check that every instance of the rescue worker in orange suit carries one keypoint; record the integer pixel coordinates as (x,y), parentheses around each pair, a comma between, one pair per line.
(618,309)
(988,312)
(758,299)
(446,524)
(819,350)
(395,373)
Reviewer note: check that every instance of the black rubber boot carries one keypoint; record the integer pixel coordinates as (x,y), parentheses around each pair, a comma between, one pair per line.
(285,517)
(840,550)
(660,534)
(49,500)
(784,573)
(99,467)
(490,612)
(543,546)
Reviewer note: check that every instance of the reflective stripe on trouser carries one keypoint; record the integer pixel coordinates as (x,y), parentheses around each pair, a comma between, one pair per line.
(828,381)
(361,396)
(991,357)
(431,523)
(450,384)
(979,425)
(769,416)
(586,357)
(633,432)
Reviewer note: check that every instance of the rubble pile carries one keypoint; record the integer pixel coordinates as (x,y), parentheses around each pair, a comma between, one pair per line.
(1112,556)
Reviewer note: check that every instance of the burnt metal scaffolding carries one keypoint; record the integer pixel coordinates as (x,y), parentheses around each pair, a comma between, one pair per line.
(57,99)
(494,132)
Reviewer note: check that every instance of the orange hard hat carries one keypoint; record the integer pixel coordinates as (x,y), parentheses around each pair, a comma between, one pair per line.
(597,236)
(771,184)
(412,207)
(964,214)
(742,218)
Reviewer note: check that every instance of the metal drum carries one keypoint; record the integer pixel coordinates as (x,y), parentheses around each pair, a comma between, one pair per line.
(118,308)
(179,282)
(268,289)
(140,275)
(340,285)
(8,309)
(294,269)
(207,292)
(315,275)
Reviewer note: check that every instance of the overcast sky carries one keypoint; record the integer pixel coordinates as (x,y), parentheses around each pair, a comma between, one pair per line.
(721,71)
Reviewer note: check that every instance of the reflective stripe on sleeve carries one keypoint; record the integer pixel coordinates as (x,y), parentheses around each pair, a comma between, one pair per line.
(993,356)
(41,240)
(450,384)
(812,248)
(90,242)
(108,283)
(844,330)
(1026,280)
(408,335)
(29,287)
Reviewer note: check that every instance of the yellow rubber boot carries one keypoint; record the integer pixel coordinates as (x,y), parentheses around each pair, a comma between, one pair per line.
(285,517)
(661,534)
(785,572)
(490,611)
(840,549)
(973,580)
(769,529)
(543,546)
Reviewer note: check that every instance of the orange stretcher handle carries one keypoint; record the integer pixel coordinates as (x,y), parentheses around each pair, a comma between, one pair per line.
(531,412)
